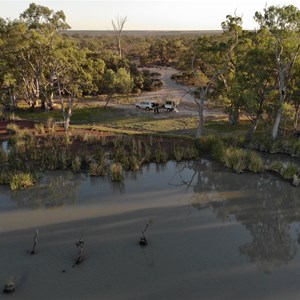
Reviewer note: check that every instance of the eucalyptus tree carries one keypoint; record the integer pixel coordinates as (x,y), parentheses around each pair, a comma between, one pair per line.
(12,72)
(71,78)
(283,24)
(116,82)
(237,42)
(43,26)
(211,59)
(293,94)
(255,81)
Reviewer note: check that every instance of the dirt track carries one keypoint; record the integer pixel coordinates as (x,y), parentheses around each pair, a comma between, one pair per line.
(172,91)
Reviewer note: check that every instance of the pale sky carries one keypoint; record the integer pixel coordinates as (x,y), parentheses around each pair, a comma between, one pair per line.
(149,15)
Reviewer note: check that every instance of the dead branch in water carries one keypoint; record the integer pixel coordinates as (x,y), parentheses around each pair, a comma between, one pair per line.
(80,245)
(143,240)
(35,240)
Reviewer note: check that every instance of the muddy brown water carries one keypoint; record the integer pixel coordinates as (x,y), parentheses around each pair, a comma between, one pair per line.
(215,235)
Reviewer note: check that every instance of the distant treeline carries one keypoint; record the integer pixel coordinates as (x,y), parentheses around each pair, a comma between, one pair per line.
(154,33)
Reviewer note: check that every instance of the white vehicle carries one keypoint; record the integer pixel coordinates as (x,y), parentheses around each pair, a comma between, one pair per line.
(145,105)
(170,105)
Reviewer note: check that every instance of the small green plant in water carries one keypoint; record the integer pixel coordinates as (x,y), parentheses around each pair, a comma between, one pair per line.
(97,169)
(116,172)
(21,180)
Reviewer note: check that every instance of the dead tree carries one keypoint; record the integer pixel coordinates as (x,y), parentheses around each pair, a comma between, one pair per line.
(118,26)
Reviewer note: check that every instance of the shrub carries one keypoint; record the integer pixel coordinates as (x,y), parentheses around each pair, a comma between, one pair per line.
(21,180)
(13,128)
(39,128)
(116,172)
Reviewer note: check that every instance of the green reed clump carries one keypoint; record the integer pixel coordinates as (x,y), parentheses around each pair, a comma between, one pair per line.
(178,152)
(121,156)
(254,162)
(262,142)
(217,149)
(116,172)
(21,180)
(76,164)
(235,159)
(147,153)
(191,152)
(97,168)
(211,145)
(276,166)
(289,171)
(99,154)
(134,163)
(160,154)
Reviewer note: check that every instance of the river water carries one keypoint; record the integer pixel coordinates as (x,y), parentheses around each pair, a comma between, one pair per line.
(214,235)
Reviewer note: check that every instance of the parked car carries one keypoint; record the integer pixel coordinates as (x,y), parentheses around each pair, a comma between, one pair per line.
(170,105)
(145,105)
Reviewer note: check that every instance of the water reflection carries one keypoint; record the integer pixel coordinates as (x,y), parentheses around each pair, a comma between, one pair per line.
(263,205)
(4,146)
(55,190)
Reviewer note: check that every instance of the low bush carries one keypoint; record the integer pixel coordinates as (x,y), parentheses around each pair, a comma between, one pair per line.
(39,128)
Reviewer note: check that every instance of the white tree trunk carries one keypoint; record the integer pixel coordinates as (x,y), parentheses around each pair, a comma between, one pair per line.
(200,103)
